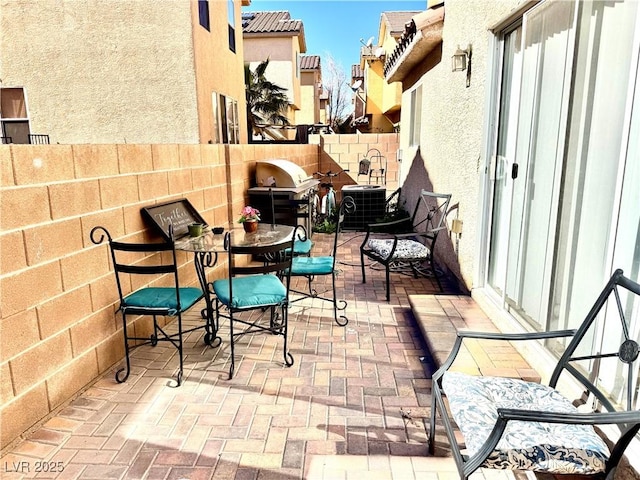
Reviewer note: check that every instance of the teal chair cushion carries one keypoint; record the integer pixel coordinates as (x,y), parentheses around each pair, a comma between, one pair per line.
(303,266)
(163,298)
(301,247)
(251,291)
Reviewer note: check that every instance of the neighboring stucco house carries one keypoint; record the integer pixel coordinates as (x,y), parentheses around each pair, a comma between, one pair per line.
(123,72)
(536,134)
(310,90)
(359,97)
(382,99)
(280,39)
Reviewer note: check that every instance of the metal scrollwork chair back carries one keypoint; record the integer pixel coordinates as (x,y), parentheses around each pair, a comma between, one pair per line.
(509,423)
(253,290)
(318,266)
(408,252)
(151,262)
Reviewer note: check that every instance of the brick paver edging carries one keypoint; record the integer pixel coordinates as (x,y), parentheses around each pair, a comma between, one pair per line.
(438,331)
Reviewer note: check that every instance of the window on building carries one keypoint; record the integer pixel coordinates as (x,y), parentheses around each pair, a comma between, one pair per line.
(203,13)
(416,116)
(13,116)
(226,120)
(233,124)
(215,128)
(232,26)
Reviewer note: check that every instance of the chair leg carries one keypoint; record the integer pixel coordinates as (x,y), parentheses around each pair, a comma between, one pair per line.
(288,358)
(364,279)
(127,369)
(154,337)
(232,367)
(343,304)
(432,426)
(388,278)
(272,320)
(180,352)
(435,274)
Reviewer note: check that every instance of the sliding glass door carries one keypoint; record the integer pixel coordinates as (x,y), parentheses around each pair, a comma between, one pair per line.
(503,164)
(596,156)
(533,113)
(565,204)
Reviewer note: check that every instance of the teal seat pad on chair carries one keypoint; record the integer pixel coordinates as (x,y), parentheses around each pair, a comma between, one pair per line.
(301,247)
(163,298)
(311,266)
(251,291)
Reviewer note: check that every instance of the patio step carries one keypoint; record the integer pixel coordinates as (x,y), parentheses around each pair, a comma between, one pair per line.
(440,316)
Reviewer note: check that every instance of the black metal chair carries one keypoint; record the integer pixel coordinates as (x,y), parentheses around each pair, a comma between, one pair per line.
(258,288)
(288,211)
(392,202)
(314,266)
(154,264)
(408,252)
(38,139)
(512,424)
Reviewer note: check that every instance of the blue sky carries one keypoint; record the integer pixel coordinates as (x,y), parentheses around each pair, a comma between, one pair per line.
(336,27)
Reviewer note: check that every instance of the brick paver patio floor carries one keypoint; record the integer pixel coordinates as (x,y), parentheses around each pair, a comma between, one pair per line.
(354,405)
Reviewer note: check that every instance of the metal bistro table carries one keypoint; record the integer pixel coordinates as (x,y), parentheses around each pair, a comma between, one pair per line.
(206,249)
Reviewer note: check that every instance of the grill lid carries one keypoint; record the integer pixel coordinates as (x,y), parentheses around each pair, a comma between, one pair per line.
(280,173)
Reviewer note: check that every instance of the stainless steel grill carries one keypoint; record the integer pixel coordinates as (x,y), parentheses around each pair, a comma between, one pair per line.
(288,182)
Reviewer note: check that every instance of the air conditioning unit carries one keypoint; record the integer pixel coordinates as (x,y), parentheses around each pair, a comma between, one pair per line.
(370,203)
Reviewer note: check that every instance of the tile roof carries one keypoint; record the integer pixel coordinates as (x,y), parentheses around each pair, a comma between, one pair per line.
(396,21)
(270,22)
(310,62)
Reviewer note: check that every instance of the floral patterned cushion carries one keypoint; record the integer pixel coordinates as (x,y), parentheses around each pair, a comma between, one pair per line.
(541,447)
(406,249)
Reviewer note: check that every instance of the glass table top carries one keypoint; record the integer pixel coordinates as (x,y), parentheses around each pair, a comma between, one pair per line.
(266,235)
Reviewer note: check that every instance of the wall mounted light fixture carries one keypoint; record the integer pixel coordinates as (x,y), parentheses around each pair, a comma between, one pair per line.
(461,61)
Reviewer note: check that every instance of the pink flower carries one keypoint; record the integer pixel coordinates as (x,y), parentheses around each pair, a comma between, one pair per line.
(249,213)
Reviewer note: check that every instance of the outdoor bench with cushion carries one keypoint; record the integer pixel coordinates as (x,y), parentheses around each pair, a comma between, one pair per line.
(517,425)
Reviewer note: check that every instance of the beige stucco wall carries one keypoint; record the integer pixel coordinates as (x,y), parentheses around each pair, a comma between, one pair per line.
(103,71)
(391,92)
(282,53)
(309,112)
(218,69)
(451,153)
(377,88)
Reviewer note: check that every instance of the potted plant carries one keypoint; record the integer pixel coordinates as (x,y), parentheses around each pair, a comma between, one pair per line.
(249,218)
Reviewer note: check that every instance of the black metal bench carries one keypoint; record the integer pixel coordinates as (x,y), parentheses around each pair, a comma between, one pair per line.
(517,425)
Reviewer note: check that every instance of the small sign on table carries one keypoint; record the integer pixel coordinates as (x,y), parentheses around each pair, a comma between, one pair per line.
(179,213)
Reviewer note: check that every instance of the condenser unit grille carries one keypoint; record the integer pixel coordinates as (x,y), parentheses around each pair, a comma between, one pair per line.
(370,205)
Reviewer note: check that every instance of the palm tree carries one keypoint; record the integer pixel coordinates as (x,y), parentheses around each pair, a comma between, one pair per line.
(267,102)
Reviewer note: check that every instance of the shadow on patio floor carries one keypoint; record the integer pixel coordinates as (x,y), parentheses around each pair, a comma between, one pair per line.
(354,403)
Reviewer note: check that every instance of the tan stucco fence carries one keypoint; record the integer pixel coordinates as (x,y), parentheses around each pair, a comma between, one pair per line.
(59,328)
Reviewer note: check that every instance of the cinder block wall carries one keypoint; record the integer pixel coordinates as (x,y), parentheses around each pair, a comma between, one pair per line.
(59,330)
(346,151)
